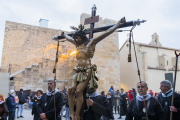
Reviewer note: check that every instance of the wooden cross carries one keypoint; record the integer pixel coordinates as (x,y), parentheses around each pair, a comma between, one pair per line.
(92,20)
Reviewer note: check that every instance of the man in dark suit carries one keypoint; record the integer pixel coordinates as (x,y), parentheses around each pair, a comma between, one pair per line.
(22,99)
(165,99)
(97,106)
(45,107)
(137,109)
(123,103)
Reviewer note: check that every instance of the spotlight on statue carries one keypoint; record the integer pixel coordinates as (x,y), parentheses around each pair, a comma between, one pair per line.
(73,52)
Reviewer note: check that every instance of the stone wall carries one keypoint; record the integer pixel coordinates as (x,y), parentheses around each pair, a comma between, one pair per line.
(35,77)
(4,83)
(24,45)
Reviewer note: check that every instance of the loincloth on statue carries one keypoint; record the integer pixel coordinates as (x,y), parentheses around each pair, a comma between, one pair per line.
(82,74)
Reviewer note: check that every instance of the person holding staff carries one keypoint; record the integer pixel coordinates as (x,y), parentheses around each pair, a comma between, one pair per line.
(143,103)
(165,99)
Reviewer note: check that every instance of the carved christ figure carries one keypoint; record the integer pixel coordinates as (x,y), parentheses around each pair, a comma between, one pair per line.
(82,73)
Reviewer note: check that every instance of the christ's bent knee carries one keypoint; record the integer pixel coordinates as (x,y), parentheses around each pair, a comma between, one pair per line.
(71,90)
(79,93)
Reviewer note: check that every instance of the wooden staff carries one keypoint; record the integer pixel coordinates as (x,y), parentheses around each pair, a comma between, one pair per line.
(54,71)
(138,72)
(172,102)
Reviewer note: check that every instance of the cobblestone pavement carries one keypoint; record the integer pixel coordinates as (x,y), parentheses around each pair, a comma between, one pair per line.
(27,115)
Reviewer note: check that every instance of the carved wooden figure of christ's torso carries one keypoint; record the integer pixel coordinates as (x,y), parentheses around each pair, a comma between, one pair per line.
(84,55)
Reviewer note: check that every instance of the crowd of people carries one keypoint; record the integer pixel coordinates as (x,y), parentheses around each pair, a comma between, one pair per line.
(132,104)
(157,106)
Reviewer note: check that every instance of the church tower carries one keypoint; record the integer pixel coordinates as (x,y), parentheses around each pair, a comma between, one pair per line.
(155,40)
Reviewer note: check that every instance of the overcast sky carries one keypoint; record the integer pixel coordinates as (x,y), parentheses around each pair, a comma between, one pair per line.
(162,16)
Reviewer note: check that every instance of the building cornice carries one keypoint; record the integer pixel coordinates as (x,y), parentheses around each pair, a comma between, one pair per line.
(152,46)
(156,68)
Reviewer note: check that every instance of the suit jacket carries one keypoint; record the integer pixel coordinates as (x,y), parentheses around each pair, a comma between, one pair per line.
(46,105)
(123,99)
(22,98)
(100,107)
(162,100)
(155,111)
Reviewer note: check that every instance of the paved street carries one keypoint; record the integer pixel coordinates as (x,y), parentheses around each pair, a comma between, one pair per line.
(27,115)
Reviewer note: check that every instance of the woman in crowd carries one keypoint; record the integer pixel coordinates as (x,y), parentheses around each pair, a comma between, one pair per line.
(116,102)
(11,104)
(34,106)
(3,108)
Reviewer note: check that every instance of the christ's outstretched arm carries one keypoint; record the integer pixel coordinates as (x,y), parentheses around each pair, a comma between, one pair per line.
(107,32)
(69,38)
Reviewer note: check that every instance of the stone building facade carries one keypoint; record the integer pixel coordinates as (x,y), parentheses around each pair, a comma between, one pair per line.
(30,51)
(4,82)
(154,62)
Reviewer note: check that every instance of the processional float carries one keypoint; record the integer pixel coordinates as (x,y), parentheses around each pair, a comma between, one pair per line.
(90,31)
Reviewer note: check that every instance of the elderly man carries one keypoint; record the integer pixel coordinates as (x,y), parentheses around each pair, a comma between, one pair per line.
(46,108)
(137,107)
(165,99)
(11,104)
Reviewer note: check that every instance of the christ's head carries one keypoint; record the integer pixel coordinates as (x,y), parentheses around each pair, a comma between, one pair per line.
(81,38)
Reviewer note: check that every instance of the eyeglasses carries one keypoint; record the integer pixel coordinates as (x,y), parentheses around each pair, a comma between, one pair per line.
(141,87)
(49,83)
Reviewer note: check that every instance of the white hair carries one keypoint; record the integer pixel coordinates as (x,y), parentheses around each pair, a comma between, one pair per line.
(52,80)
(143,83)
(166,83)
(11,91)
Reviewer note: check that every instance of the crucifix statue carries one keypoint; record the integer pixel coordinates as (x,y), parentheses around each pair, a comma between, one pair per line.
(83,73)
